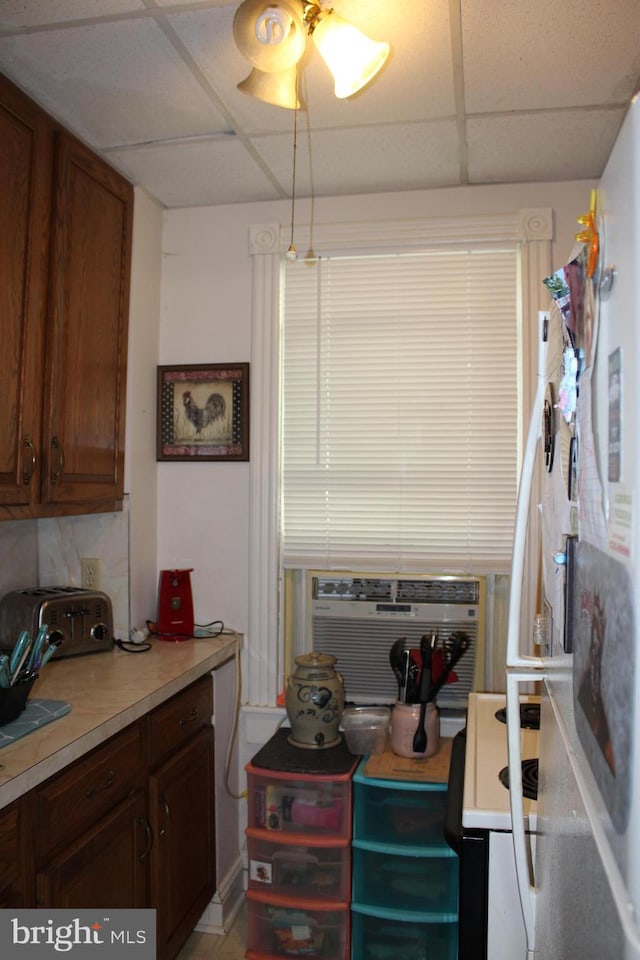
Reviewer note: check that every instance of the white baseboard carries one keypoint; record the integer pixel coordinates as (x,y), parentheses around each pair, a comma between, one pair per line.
(225,903)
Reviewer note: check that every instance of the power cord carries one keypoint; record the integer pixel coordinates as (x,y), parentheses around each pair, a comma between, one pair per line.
(208,634)
(132,646)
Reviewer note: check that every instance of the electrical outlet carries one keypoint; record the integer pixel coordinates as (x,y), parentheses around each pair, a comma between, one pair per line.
(90,573)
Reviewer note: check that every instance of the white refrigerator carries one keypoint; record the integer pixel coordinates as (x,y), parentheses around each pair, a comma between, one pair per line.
(579,885)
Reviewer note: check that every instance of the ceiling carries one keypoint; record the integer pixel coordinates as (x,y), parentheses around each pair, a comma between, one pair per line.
(474,92)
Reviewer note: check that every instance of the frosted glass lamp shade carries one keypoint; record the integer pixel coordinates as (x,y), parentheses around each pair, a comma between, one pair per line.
(352,57)
(276,87)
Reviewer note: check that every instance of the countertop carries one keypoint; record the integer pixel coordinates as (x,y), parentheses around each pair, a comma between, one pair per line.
(107,691)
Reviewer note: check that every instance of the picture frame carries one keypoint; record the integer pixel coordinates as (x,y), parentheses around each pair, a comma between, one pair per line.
(203,411)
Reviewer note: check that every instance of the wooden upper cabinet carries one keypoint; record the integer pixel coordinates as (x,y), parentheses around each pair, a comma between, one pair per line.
(25,205)
(65,259)
(87,323)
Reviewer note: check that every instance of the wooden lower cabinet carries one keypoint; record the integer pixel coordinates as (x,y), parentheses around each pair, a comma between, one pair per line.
(181,803)
(106,867)
(130,824)
(14,861)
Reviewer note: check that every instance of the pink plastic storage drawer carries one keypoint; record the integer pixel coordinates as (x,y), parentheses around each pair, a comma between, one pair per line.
(286,927)
(299,865)
(310,804)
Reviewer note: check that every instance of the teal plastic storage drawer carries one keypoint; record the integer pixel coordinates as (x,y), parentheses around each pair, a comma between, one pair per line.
(392,935)
(399,813)
(422,879)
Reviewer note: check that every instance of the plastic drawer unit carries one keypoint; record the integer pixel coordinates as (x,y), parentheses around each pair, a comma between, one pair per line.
(405,876)
(303,866)
(299,851)
(288,927)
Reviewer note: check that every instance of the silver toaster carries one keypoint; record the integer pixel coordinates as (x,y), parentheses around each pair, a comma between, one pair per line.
(78,621)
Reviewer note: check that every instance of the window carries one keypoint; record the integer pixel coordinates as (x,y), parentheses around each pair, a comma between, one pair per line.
(531,229)
(399,410)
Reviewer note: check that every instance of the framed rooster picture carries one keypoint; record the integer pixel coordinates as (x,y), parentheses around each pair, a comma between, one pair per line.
(203,412)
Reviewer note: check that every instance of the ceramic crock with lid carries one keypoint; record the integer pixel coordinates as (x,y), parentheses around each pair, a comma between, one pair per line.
(315,701)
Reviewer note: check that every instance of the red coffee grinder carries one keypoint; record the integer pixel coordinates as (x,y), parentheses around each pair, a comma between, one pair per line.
(175,606)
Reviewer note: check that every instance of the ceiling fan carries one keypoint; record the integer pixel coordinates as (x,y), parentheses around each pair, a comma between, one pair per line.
(273,37)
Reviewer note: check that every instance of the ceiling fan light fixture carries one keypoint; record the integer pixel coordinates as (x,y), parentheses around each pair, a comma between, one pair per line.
(276,87)
(353,58)
(271,35)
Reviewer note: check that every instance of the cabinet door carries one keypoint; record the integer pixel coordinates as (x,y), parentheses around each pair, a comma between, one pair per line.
(87,328)
(105,867)
(181,810)
(14,860)
(25,207)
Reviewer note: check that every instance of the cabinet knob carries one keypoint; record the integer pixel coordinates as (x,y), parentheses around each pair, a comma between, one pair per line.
(30,469)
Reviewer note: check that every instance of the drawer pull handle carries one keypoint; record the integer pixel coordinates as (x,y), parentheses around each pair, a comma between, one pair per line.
(165,807)
(91,792)
(149,835)
(192,715)
(56,474)
(30,470)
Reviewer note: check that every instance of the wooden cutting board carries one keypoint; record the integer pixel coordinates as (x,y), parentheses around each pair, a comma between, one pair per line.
(389,766)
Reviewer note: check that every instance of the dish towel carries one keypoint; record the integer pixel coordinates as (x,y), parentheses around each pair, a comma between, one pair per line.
(35,714)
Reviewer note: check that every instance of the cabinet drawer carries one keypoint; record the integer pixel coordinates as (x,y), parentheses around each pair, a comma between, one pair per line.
(177,720)
(278,926)
(299,804)
(299,866)
(399,813)
(392,935)
(9,849)
(68,804)
(383,877)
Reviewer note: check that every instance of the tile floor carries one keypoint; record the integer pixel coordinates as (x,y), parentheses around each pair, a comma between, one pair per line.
(233,946)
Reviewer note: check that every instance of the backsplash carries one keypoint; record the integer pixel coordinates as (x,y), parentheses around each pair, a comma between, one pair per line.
(48,553)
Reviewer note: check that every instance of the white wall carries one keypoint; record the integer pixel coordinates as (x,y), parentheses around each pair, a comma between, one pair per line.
(206,317)
(140,473)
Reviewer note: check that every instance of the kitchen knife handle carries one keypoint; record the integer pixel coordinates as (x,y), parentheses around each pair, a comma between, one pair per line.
(56,474)
(31,469)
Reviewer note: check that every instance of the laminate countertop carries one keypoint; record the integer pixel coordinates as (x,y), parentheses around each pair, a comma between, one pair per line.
(107,691)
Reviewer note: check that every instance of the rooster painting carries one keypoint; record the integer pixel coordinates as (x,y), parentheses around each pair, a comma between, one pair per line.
(214,409)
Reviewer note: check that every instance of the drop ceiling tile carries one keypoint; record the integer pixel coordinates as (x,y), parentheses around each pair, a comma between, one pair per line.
(196,173)
(519,57)
(366,160)
(116,83)
(31,13)
(566,144)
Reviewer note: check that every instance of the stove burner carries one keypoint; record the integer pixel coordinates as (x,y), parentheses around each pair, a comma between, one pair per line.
(529,778)
(529,715)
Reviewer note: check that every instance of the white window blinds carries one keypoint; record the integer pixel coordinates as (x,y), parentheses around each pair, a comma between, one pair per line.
(400,410)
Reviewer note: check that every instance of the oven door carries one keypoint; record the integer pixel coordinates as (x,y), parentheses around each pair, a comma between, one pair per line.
(472,847)
(490,923)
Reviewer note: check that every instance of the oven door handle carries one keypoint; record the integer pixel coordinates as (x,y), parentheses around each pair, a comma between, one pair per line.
(522,851)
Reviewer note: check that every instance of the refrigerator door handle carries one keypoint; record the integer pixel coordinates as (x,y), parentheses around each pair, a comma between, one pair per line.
(522,852)
(514,657)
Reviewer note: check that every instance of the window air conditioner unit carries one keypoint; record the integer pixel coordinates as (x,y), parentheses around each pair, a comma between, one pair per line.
(357,617)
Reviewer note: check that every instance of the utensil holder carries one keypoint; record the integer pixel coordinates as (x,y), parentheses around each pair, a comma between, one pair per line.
(13,699)
(404,721)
